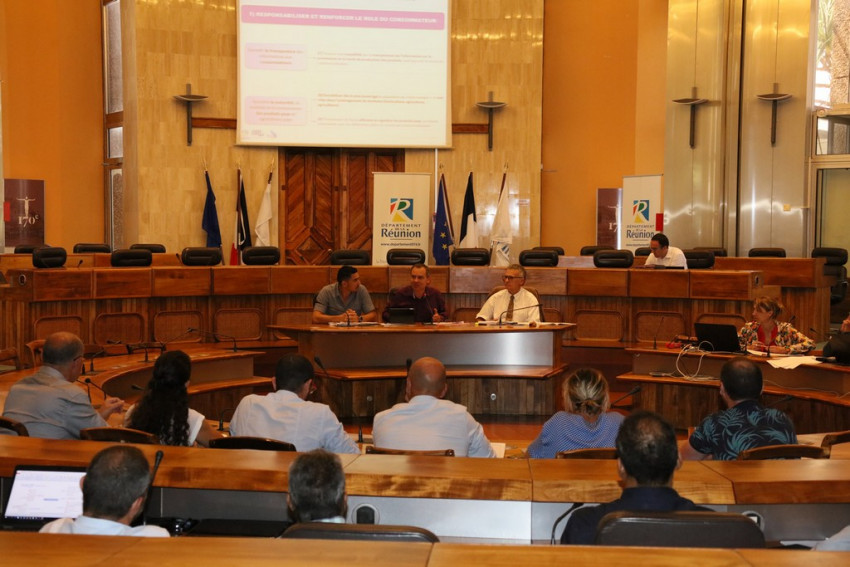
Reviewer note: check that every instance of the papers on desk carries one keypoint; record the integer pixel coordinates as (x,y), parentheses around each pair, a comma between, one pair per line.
(792,362)
(354,324)
(517,324)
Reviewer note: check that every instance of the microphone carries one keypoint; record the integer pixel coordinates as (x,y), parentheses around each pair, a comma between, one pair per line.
(658,330)
(136,387)
(561,517)
(132,348)
(80,263)
(409,363)
(156,461)
(502,314)
(164,344)
(322,366)
(221,417)
(101,352)
(216,336)
(781,400)
(179,260)
(631,392)
(87,383)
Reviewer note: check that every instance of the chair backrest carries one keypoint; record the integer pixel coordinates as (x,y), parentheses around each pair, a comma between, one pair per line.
(591,250)
(558,249)
(784,452)
(14,425)
(362,532)
(129,257)
(34,349)
(118,435)
(595,453)
(834,256)
(717,250)
(256,443)
(543,258)
(261,255)
(405,256)
(49,257)
(613,259)
(372,450)
(679,529)
(471,257)
(201,256)
(465,314)
(643,251)
(699,259)
(831,439)
(27,248)
(9,357)
(89,247)
(766,253)
(351,258)
(154,248)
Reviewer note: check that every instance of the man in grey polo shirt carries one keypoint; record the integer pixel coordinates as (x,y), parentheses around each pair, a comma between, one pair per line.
(347,300)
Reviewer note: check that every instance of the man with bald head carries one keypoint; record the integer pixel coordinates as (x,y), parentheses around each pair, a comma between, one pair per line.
(48,403)
(426,422)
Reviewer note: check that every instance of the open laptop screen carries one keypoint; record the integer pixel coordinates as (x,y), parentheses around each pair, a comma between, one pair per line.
(717,338)
(44,493)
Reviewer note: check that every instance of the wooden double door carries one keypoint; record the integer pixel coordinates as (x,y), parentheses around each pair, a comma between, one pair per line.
(327,199)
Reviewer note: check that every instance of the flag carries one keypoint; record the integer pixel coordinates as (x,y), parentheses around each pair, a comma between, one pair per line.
(501,235)
(469,222)
(210,220)
(264,217)
(443,233)
(241,233)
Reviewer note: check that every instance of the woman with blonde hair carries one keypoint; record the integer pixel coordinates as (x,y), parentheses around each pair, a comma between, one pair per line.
(765,333)
(586,422)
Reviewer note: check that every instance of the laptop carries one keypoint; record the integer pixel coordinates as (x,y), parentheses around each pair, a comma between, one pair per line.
(717,338)
(40,494)
(402,315)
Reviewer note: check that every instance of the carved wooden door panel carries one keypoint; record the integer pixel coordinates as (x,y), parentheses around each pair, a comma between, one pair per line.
(327,199)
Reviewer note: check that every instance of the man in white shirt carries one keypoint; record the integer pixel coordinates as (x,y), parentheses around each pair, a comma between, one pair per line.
(286,415)
(514,303)
(114,491)
(665,255)
(427,422)
(317,488)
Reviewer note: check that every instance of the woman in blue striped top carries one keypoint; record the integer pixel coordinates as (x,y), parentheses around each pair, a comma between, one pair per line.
(585,424)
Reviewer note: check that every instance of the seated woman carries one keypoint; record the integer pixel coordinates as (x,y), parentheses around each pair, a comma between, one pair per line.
(164,407)
(585,424)
(765,333)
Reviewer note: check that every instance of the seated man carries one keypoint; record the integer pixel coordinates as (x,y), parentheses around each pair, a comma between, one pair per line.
(48,403)
(745,424)
(665,255)
(345,300)
(514,303)
(285,414)
(114,491)
(647,458)
(317,488)
(427,422)
(427,303)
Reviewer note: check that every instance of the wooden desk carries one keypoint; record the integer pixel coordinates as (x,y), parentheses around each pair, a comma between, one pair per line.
(492,370)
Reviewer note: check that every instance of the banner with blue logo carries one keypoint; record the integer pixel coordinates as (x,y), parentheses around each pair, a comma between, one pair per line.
(401,214)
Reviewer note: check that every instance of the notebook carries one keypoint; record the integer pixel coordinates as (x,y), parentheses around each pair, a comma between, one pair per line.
(402,315)
(40,494)
(717,338)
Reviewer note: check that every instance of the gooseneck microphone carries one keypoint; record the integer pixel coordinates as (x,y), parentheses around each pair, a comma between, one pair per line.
(535,306)
(631,392)
(156,461)
(658,330)
(215,336)
(101,352)
(780,401)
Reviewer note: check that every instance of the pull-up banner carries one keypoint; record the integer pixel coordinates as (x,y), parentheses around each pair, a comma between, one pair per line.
(401,214)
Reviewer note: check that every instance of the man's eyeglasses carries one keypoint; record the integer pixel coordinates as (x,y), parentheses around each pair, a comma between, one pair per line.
(509,278)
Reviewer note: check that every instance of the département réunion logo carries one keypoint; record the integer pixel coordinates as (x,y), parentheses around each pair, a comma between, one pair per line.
(640,211)
(401,209)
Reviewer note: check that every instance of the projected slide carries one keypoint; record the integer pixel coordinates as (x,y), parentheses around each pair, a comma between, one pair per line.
(364,73)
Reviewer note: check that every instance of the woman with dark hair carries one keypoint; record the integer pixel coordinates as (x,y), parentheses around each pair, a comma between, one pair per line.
(585,424)
(766,333)
(164,408)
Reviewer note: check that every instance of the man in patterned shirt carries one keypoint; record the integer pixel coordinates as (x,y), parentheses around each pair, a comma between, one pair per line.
(745,424)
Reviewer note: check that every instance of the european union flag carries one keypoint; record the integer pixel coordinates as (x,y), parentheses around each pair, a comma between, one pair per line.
(443,237)
(210,220)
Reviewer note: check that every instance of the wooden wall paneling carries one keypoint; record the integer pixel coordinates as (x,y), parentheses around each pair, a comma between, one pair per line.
(598,281)
(659,283)
(548,281)
(58,283)
(243,317)
(182,281)
(310,230)
(792,272)
(357,191)
(375,278)
(172,326)
(658,321)
(683,406)
(220,403)
(722,284)
(46,325)
(127,328)
(122,282)
(301,279)
(241,281)
(474,279)
(289,309)
(719,311)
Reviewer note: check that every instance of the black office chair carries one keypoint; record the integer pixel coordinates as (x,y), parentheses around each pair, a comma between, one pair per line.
(591,250)
(372,450)
(699,259)
(835,260)
(717,251)
(256,443)
(88,248)
(27,248)
(261,255)
(351,258)
(592,453)
(127,257)
(471,257)
(558,249)
(49,257)
(539,258)
(360,532)
(118,435)
(643,251)
(679,529)
(200,256)
(613,259)
(154,248)
(405,256)
(13,425)
(766,253)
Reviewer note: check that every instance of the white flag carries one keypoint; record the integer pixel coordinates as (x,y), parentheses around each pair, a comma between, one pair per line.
(500,235)
(264,217)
